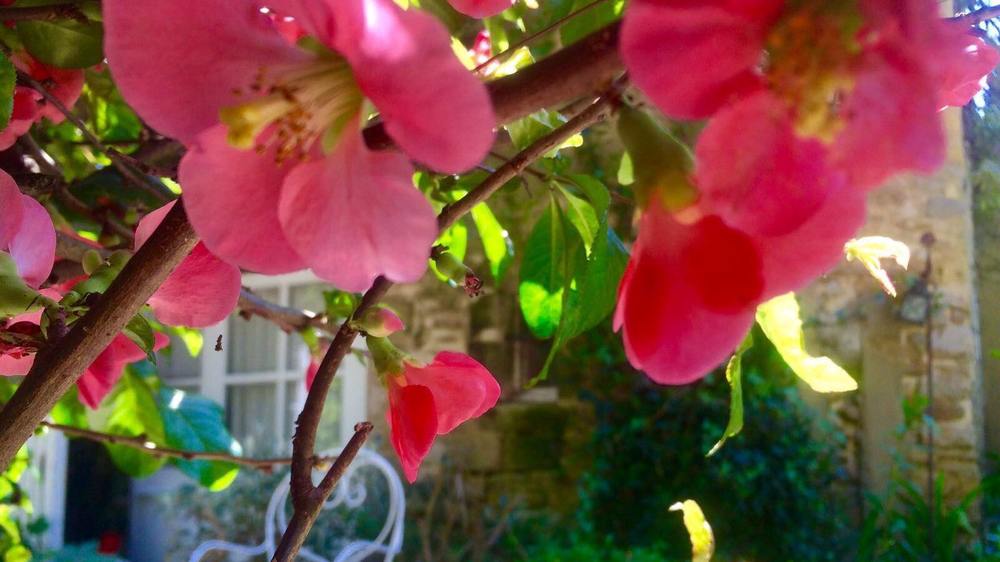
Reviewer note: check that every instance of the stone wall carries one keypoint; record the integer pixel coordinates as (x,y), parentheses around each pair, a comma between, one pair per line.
(849,318)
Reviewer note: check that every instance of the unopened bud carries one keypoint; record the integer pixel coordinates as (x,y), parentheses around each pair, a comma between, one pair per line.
(661,164)
(450,266)
(379,322)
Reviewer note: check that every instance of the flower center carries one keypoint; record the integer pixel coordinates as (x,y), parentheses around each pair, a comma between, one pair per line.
(295,106)
(809,55)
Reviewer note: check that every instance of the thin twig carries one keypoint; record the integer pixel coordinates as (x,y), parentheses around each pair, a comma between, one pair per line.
(159,450)
(530,38)
(979,16)
(52,12)
(305,497)
(287,318)
(129,167)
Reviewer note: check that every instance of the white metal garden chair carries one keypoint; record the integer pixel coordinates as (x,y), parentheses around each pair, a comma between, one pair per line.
(350,493)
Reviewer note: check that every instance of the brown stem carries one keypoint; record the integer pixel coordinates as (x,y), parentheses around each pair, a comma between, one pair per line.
(585,67)
(160,450)
(979,16)
(303,492)
(286,318)
(59,366)
(52,12)
(303,519)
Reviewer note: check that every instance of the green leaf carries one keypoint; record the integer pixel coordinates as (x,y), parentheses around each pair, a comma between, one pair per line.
(626,175)
(582,216)
(131,410)
(528,129)
(700,532)
(195,423)
(141,333)
(340,304)
(543,273)
(69,410)
(734,376)
(15,296)
(193,339)
(497,246)
(595,190)
(18,553)
(779,318)
(8,80)
(63,44)
(593,292)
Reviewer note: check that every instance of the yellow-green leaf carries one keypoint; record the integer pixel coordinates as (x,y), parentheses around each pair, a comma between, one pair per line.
(734,376)
(870,250)
(779,318)
(702,539)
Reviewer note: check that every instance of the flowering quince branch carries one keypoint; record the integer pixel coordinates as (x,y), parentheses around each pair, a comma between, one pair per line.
(306,498)
(979,16)
(58,366)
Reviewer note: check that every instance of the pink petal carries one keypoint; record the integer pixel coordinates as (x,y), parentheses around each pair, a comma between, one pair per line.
(794,259)
(689,297)
(355,215)
(11,367)
(201,292)
(404,63)
(691,58)
(101,376)
(893,124)
(480,8)
(462,388)
(34,245)
(412,425)
(231,197)
(66,85)
(177,62)
(311,371)
(756,173)
(11,209)
(23,116)
(964,61)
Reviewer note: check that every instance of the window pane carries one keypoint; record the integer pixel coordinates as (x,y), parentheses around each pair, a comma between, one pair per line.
(304,297)
(250,414)
(178,363)
(253,344)
(328,436)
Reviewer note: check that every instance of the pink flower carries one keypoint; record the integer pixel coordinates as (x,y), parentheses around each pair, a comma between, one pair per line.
(866,78)
(26,233)
(277,177)
(481,8)
(433,400)
(201,292)
(30,107)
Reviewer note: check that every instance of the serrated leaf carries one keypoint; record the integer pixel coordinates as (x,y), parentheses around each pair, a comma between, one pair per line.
(779,319)
(130,410)
(734,376)
(543,273)
(196,423)
(497,245)
(699,531)
(582,216)
(8,80)
(63,43)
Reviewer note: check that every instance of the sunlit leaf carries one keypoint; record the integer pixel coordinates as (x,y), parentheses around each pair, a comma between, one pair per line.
(193,339)
(700,532)
(734,376)
(870,250)
(497,246)
(779,318)
(141,333)
(8,79)
(582,216)
(15,296)
(543,273)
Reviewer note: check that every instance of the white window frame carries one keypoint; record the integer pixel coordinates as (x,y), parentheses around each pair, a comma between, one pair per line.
(214,378)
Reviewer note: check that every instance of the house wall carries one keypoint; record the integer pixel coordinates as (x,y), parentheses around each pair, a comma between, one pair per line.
(849,318)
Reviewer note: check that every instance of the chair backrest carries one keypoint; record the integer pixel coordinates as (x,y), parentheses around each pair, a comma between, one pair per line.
(350,493)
